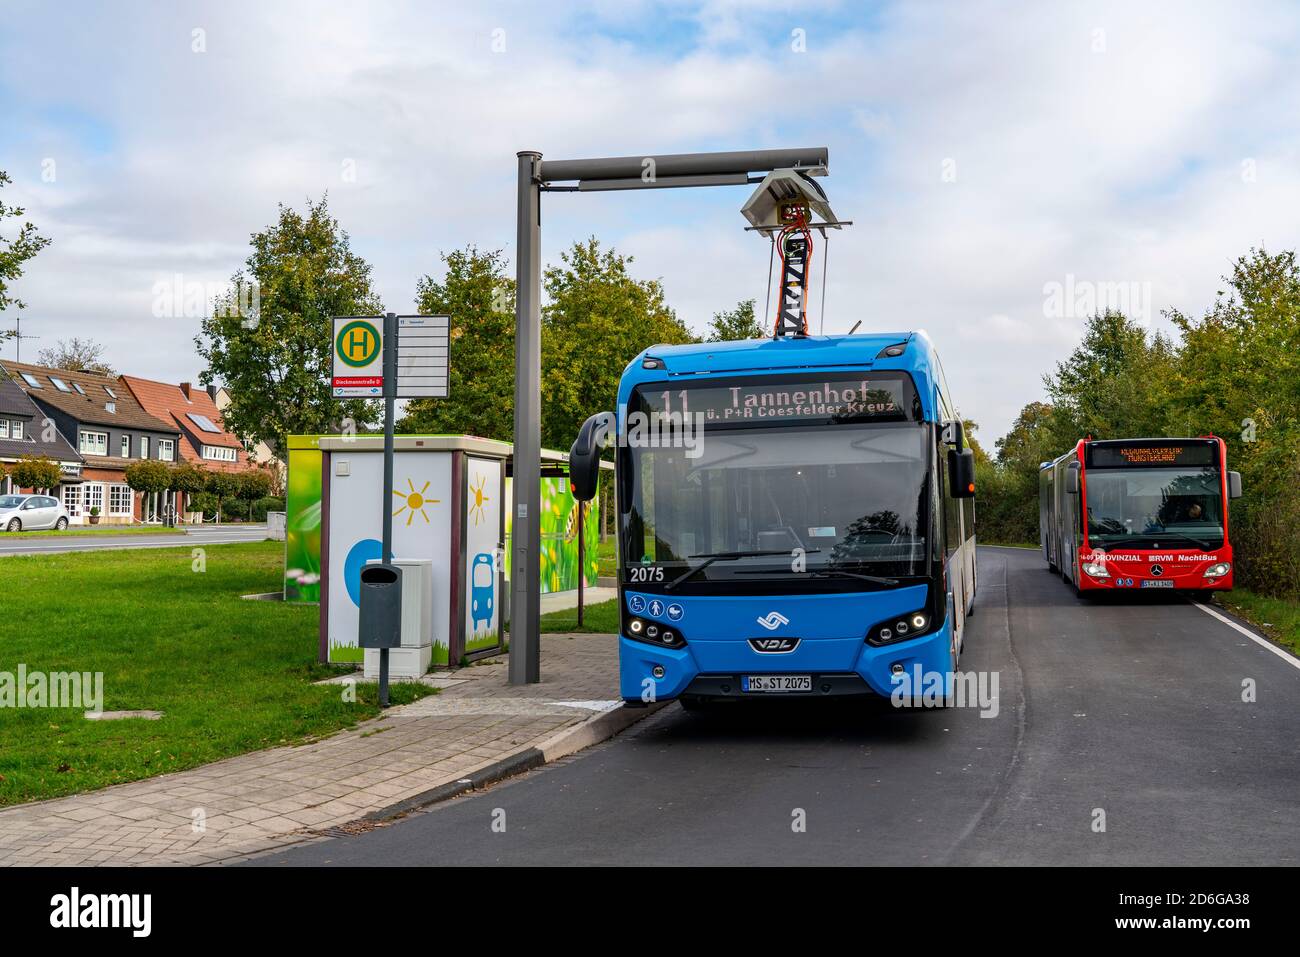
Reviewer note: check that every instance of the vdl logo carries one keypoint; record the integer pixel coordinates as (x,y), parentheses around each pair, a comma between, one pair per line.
(773,620)
(358,343)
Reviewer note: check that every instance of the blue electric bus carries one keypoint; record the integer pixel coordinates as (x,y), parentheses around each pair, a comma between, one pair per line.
(794,517)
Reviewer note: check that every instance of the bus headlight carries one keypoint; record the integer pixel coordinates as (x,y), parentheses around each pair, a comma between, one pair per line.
(654,633)
(911,625)
(1095,569)
(1218,569)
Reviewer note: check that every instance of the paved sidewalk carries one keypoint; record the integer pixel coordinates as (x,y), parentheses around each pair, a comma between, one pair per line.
(267,799)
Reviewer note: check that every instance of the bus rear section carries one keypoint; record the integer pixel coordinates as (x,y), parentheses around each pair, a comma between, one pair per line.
(1139,514)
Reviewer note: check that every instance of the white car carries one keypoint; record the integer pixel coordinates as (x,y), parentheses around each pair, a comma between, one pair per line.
(27,512)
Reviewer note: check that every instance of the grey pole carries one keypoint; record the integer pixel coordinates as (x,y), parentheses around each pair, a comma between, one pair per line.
(525,574)
(390,390)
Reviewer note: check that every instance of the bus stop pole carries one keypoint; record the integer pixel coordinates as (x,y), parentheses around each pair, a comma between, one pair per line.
(582,563)
(390,390)
(525,572)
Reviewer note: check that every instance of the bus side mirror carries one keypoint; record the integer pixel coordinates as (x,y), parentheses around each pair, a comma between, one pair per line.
(961,473)
(1072,479)
(1234,485)
(584,458)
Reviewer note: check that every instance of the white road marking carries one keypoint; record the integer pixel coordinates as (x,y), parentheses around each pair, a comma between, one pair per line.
(1262,642)
(178,541)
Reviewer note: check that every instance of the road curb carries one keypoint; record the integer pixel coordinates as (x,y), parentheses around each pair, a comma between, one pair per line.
(594,730)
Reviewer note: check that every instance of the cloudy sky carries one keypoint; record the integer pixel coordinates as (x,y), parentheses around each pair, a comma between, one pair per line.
(1004,164)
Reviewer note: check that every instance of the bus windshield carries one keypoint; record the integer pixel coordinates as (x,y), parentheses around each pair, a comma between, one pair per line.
(779,506)
(1155,507)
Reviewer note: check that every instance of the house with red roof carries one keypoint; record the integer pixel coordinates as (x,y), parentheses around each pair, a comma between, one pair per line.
(204,439)
(110,432)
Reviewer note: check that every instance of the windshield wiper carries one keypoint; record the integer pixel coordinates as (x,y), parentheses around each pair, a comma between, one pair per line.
(1154,542)
(833,573)
(1204,546)
(712,557)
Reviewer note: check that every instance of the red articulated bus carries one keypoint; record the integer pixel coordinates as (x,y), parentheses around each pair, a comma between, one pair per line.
(1139,513)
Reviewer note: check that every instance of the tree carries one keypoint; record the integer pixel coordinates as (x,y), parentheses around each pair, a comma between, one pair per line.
(188,478)
(149,476)
(480,299)
(738,323)
(14,253)
(190,481)
(35,472)
(76,355)
(276,364)
(1238,377)
(969,427)
(254,484)
(1116,383)
(597,319)
(221,486)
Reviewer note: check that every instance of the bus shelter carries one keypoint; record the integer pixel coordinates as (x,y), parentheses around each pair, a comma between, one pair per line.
(451,521)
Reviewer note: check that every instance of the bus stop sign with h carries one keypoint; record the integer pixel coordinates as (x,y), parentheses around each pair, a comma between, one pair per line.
(396,357)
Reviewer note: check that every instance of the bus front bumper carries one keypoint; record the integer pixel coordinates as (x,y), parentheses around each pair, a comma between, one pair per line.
(837,667)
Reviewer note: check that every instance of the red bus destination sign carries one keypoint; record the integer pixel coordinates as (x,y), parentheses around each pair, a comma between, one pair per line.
(1153,455)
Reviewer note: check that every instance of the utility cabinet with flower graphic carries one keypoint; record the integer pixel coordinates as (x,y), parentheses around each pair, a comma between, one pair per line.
(450,504)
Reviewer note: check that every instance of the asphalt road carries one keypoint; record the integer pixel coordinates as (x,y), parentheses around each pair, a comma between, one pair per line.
(72,542)
(1133,708)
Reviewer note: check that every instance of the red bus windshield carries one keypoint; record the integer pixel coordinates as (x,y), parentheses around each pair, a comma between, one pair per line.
(1154,495)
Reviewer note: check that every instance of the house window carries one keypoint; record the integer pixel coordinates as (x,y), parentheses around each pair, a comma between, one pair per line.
(93,443)
(4,428)
(30,380)
(94,496)
(80,390)
(72,500)
(144,446)
(126,446)
(166,449)
(111,393)
(60,384)
(16,429)
(119,500)
(218,453)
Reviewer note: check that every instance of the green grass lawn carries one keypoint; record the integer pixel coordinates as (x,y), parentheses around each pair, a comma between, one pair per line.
(607,558)
(1278,618)
(97,530)
(601,618)
(230,675)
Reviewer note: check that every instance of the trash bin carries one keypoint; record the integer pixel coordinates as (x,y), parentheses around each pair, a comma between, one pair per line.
(380,618)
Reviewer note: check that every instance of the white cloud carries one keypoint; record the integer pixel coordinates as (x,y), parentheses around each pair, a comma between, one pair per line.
(1115,166)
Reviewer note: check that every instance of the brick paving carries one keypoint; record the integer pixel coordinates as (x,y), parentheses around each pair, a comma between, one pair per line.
(267,799)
